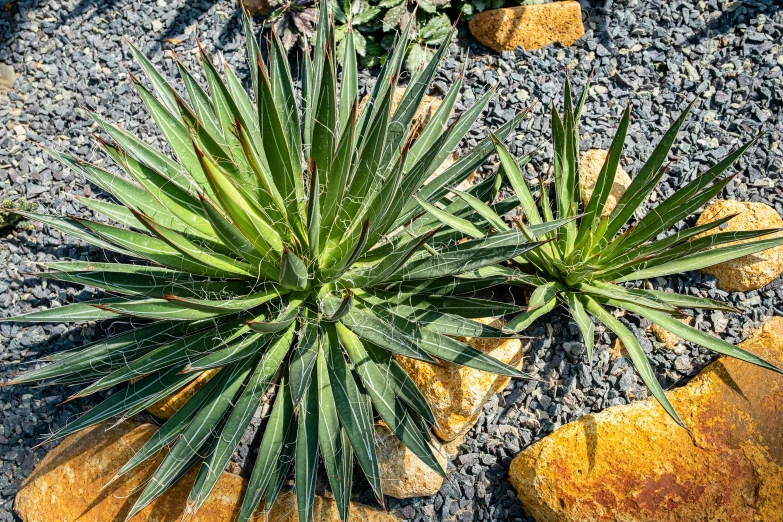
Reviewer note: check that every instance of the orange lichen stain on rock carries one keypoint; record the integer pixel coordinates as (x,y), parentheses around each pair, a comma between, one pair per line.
(635,463)
(606,498)
(665,491)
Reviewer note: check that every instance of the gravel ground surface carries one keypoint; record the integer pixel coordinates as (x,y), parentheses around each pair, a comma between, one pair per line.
(656,55)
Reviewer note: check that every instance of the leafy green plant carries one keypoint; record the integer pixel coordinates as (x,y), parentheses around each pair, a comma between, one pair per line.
(584,263)
(375,28)
(374,25)
(282,247)
(292,20)
(468,8)
(377,21)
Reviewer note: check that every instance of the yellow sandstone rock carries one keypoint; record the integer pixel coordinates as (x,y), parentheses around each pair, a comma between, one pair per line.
(633,463)
(429,106)
(324,510)
(168,406)
(67,486)
(403,474)
(451,448)
(455,393)
(7,78)
(528,26)
(465,184)
(747,272)
(427,109)
(589,167)
(260,7)
(667,338)
(618,350)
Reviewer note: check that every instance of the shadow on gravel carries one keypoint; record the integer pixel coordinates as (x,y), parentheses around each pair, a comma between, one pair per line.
(13,16)
(735,14)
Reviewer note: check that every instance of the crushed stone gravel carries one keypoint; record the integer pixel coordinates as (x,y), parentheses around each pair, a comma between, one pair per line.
(68,56)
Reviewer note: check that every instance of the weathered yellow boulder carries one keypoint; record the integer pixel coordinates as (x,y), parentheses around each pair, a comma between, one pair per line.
(258,7)
(463,185)
(68,484)
(324,510)
(455,393)
(429,106)
(633,463)
(427,109)
(528,26)
(7,77)
(669,340)
(747,272)
(403,474)
(589,167)
(168,406)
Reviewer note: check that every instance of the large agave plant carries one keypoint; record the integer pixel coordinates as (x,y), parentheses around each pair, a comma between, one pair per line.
(282,247)
(584,263)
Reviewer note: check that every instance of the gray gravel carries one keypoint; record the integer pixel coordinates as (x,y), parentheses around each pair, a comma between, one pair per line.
(656,55)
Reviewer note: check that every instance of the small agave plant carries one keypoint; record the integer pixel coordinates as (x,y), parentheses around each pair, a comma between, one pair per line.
(283,247)
(584,263)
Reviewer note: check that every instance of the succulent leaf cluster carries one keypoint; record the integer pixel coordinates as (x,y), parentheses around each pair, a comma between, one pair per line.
(299,245)
(282,245)
(585,263)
